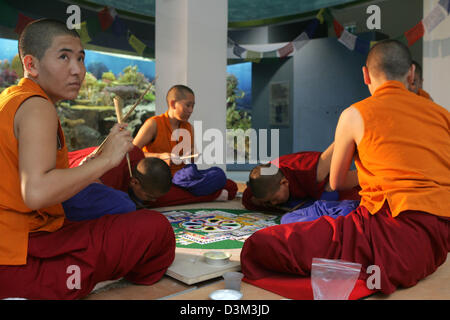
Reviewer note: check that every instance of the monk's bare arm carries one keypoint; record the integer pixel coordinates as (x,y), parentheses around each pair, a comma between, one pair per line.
(349,131)
(323,167)
(43,185)
(146,134)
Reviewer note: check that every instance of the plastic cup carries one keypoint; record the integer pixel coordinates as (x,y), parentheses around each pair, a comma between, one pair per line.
(233,280)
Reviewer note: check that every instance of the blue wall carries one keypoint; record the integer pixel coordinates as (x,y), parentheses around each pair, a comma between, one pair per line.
(327,79)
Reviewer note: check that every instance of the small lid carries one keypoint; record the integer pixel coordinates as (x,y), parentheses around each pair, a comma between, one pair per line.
(217,255)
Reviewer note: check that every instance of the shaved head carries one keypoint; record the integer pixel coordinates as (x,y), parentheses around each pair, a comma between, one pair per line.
(38,36)
(262,185)
(389,59)
(178,92)
(154,175)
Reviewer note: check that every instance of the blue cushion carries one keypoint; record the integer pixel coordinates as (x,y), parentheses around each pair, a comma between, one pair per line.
(200,182)
(95,201)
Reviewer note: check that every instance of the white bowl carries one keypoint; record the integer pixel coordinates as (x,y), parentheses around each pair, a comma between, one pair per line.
(225,294)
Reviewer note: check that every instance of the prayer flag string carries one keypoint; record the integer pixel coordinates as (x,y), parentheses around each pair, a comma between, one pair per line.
(108,19)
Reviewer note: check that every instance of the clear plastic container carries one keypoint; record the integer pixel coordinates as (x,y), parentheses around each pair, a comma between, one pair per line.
(333,279)
(233,280)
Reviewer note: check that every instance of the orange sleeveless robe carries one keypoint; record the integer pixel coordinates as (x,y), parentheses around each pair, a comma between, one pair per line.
(424,94)
(163,143)
(16,219)
(413,136)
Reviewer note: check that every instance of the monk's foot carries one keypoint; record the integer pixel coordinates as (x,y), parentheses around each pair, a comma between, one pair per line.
(223,196)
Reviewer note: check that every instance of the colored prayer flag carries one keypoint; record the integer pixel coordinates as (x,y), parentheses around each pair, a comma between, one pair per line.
(137,44)
(415,33)
(311,28)
(22,22)
(435,17)
(113,13)
(338,28)
(238,50)
(446,5)
(362,46)
(348,39)
(286,50)
(320,17)
(300,41)
(83,32)
(253,56)
(118,27)
(105,18)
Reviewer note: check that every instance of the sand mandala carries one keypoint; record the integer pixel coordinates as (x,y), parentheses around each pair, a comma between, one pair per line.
(211,225)
(219,229)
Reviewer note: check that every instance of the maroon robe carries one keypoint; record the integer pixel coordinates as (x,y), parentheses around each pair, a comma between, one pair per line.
(119,178)
(300,169)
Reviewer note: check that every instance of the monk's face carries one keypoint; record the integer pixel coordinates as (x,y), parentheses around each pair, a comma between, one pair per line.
(183,108)
(61,71)
(280,196)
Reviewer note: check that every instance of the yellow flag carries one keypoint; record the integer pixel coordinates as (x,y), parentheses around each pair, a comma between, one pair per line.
(320,16)
(253,56)
(83,32)
(137,44)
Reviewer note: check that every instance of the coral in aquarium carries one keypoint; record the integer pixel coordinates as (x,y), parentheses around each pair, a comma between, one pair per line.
(8,76)
(236,119)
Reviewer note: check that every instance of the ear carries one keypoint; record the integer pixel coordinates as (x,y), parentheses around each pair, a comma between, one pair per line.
(366,75)
(134,181)
(30,65)
(411,74)
(284,181)
(172,103)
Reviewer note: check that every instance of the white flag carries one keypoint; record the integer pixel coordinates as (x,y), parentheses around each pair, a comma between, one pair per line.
(436,16)
(348,39)
(300,41)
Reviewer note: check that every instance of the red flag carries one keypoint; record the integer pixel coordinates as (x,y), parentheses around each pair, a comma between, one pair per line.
(22,22)
(286,50)
(415,33)
(338,28)
(105,18)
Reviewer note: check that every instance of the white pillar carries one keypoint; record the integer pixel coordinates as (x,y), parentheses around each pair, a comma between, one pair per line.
(436,58)
(191,49)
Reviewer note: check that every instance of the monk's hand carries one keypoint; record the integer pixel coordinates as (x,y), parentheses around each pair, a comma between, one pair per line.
(118,144)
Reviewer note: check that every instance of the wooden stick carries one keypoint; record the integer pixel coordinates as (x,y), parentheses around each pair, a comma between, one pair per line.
(291,209)
(298,206)
(139,100)
(184,157)
(100,147)
(119,120)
